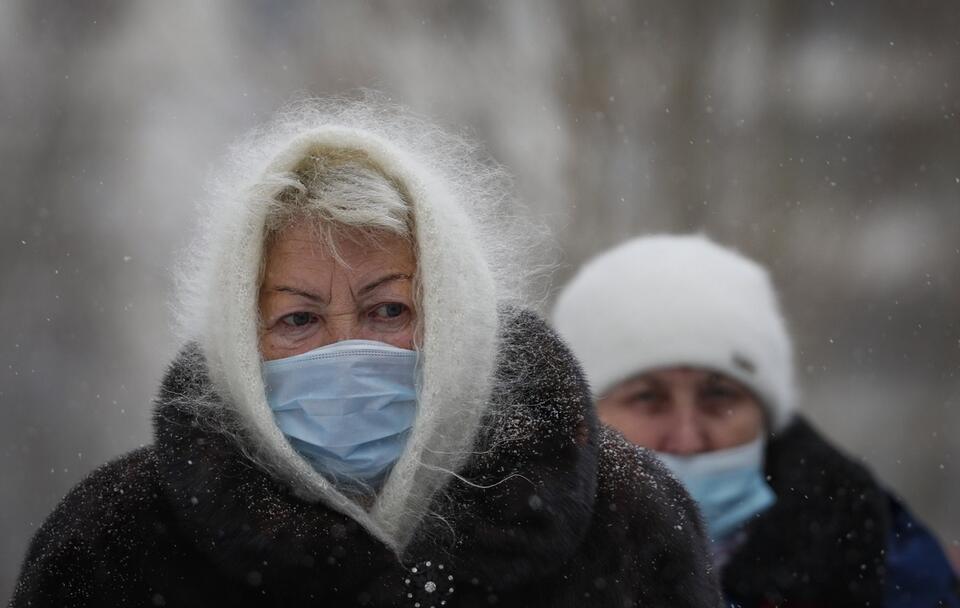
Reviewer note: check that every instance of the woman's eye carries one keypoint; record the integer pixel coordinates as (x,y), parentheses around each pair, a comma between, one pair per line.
(719,401)
(298,319)
(642,396)
(650,402)
(390,310)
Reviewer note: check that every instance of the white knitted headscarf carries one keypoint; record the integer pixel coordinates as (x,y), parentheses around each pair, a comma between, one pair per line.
(663,301)
(457,201)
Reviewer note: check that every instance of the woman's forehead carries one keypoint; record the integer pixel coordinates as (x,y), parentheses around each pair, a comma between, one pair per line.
(296,261)
(351,248)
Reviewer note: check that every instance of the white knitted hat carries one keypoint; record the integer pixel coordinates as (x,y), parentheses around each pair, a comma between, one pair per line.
(666,300)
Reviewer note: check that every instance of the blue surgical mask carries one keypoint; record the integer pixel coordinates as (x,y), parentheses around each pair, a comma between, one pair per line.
(347,408)
(728,485)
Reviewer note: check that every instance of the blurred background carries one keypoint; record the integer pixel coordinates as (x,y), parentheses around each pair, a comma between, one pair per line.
(822,138)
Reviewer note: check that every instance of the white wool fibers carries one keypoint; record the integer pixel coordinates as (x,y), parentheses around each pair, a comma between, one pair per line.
(472,249)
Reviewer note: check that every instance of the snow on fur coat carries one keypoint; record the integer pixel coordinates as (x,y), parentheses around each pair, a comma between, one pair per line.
(558,512)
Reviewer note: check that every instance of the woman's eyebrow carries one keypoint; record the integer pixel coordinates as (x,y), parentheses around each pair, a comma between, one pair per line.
(716,378)
(299,292)
(378,282)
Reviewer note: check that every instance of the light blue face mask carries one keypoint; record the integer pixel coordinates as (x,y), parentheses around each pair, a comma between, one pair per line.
(728,485)
(347,408)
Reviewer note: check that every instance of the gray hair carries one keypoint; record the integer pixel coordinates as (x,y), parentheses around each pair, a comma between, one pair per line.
(340,192)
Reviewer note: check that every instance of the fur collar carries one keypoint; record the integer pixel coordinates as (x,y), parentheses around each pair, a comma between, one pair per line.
(518,508)
(823,540)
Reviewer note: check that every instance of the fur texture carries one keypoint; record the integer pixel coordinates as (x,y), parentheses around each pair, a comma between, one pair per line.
(549,510)
(666,300)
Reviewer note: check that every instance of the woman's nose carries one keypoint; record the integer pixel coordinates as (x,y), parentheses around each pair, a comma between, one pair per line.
(686,436)
(342,327)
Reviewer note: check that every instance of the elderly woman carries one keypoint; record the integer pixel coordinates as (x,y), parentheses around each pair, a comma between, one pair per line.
(684,344)
(363,415)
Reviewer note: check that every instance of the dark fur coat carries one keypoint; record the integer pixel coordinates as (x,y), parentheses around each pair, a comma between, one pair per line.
(559,512)
(834,539)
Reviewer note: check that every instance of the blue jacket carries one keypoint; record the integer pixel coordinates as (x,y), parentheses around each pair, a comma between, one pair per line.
(918,573)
